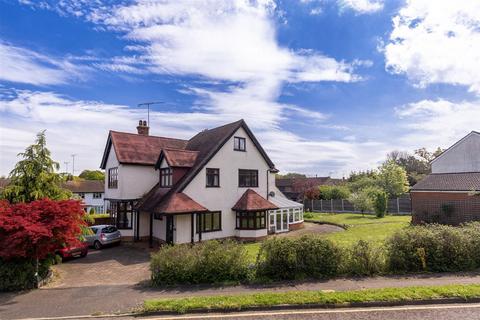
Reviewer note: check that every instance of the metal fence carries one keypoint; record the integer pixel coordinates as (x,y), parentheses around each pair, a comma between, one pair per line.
(395,206)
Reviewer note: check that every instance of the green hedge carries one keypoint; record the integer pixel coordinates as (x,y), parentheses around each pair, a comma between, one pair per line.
(208,262)
(19,274)
(305,257)
(434,248)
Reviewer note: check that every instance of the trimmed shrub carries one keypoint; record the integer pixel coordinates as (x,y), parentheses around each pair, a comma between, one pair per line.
(364,259)
(434,248)
(277,259)
(308,215)
(306,257)
(19,274)
(207,262)
(380,202)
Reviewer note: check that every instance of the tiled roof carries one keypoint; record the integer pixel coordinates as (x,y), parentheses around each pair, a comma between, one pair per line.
(466,181)
(87,186)
(177,203)
(252,201)
(180,158)
(133,148)
(205,145)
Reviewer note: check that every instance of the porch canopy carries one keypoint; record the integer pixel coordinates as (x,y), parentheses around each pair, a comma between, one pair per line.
(252,201)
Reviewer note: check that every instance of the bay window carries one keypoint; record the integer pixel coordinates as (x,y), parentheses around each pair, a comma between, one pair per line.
(250,220)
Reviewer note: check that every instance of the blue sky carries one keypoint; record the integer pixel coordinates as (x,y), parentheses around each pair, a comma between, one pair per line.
(328,86)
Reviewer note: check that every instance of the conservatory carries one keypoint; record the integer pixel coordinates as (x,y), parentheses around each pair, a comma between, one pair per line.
(288,216)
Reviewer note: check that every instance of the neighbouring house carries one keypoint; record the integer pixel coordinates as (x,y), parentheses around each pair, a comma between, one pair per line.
(294,188)
(449,194)
(218,184)
(90,191)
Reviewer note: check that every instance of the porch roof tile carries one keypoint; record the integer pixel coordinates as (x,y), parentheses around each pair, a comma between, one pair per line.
(252,201)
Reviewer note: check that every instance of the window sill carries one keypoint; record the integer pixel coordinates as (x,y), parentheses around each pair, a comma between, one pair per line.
(209,231)
(239,150)
(212,186)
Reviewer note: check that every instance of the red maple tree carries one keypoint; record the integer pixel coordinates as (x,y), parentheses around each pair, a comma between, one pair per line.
(38,228)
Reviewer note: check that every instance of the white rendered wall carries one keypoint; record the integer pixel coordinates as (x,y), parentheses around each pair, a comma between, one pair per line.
(133,180)
(225,197)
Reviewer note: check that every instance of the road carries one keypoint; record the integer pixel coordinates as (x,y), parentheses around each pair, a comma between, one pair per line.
(428,312)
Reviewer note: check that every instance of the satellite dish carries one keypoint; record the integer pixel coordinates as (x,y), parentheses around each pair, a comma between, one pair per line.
(271,194)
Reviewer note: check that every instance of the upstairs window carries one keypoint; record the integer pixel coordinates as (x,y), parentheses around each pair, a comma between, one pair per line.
(113,178)
(81,195)
(239,144)
(213,177)
(97,195)
(247,178)
(165,177)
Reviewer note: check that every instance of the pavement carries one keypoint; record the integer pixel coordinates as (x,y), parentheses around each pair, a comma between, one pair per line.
(116,280)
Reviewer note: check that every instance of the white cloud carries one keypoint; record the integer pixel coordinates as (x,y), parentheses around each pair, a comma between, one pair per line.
(433,123)
(233,46)
(436,42)
(357,6)
(81,127)
(26,66)
(362,6)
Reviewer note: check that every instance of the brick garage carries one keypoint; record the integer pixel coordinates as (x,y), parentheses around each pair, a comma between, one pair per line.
(447,198)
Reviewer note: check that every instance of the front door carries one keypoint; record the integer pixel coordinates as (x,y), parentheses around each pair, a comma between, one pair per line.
(169,233)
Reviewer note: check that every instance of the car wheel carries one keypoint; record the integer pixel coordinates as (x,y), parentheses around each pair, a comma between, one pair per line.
(97,245)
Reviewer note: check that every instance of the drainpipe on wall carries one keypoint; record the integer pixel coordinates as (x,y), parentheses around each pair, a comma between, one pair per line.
(268,171)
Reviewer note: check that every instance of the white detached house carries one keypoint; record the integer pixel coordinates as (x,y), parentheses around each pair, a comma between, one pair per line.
(219,184)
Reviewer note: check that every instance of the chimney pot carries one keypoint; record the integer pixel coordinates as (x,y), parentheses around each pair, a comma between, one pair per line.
(142,128)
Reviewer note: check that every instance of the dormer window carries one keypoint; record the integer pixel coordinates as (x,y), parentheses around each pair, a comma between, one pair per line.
(165,177)
(239,144)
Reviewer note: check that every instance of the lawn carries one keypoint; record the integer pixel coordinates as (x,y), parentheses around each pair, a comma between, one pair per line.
(299,298)
(359,227)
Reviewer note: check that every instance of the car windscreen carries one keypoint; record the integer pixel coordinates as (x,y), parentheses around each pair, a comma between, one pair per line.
(94,230)
(109,229)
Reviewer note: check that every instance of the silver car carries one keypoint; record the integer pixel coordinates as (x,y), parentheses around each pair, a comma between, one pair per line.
(103,235)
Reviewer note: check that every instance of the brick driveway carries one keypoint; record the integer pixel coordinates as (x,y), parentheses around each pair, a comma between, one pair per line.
(119,265)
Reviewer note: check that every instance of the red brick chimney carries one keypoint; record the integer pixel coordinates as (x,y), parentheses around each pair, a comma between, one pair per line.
(142,128)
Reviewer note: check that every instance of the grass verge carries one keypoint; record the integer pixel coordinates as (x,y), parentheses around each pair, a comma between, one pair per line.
(302,298)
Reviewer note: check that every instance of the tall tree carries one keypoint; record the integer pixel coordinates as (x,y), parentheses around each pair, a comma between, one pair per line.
(392,178)
(34,177)
(417,165)
(92,175)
